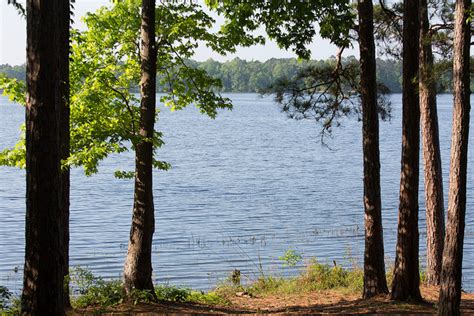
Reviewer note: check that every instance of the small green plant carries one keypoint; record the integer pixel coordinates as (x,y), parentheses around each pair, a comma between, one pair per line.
(5,296)
(81,279)
(227,289)
(93,290)
(9,303)
(102,293)
(235,277)
(423,276)
(175,294)
(291,258)
(210,298)
(171,293)
(268,285)
(325,277)
(143,296)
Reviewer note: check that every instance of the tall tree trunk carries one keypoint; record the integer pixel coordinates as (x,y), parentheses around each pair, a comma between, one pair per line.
(374,266)
(406,277)
(44,262)
(431,154)
(450,291)
(138,266)
(64,136)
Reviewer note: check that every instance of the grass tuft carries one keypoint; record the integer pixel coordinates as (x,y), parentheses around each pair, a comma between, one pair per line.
(175,294)
(315,277)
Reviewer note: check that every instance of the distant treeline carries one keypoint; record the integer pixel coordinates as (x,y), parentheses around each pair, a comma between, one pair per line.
(17,72)
(239,75)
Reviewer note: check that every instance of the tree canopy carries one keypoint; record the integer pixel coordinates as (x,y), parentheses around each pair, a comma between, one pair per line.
(105,67)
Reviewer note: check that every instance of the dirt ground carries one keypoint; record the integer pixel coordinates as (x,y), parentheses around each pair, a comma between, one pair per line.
(316,303)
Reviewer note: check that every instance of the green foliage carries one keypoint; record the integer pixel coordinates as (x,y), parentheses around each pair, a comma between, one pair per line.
(315,277)
(326,93)
(14,88)
(388,18)
(323,277)
(91,290)
(5,296)
(9,303)
(105,68)
(210,298)
(101,293)
(290,23)
(271,285)
(470,14)
(81,278)
(174,294)
(141,296)
(94,291)
(291,258)
(171,293)
(124,174)
(239,75)
(15,157)
(15,72)
(423,276)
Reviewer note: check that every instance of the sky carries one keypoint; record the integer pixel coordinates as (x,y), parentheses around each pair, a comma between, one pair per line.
(13,39)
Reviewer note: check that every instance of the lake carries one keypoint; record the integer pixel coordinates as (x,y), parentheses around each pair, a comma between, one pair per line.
(244,188)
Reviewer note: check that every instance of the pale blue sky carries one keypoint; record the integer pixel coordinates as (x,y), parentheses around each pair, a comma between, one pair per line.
(13,39)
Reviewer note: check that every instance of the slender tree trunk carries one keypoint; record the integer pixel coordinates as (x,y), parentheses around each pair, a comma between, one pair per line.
(64,135)
(374,266)
(406,277)
(431,154)
(138,267)
(44,264)
(450,291)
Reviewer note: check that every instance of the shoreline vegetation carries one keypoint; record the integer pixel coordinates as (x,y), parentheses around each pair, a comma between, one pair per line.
(318,288)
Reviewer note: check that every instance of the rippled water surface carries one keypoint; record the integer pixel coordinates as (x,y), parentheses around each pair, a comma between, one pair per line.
(244,188)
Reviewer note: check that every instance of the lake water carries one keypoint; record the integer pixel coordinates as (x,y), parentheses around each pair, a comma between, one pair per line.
(244,188)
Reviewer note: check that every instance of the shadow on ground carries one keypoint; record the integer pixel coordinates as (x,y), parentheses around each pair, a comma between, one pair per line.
(327,302)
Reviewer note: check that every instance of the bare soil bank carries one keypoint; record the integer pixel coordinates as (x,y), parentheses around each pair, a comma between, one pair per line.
(315,303)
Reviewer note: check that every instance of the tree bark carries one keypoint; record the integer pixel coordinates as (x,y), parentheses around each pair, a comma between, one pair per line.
(64,137)
(374,266)
(431,154)
(406,277)
(138,266)
(450,290)
(43,287)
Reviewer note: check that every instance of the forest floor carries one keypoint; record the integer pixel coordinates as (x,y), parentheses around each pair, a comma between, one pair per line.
(311,303)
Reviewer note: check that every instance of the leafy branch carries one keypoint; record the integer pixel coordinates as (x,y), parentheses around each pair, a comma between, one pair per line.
(325,94)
